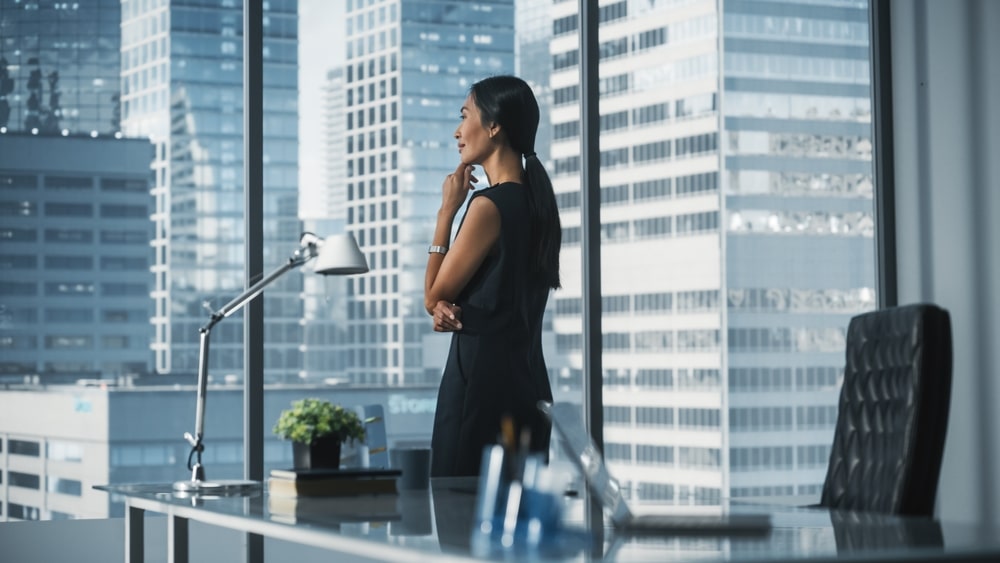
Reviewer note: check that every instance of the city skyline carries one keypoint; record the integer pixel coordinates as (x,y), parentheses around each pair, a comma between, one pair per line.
(721,156)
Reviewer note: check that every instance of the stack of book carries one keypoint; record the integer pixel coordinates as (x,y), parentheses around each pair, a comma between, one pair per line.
(332,482)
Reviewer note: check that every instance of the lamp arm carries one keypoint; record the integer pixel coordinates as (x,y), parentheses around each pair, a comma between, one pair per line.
(242,299)
(306,252)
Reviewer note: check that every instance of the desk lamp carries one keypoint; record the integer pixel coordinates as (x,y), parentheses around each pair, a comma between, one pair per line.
(337,255)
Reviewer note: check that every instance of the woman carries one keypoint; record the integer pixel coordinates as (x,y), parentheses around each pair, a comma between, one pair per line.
(489,288)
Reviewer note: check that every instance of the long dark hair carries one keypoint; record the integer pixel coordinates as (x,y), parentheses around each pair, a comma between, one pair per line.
(509,102)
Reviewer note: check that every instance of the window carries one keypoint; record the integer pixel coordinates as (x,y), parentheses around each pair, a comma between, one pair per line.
(698,458)
(613,121)
(688,240)
(655,491)
(654,416)
(23,447)
(68,262)
(654,113)
(69,236)
(696,418)
(23,480)
(654,227)
(652,38)
(123,211)
(613,303)
(654,455)
(53,209)
(59,485)
(562,61)
(618,415)
(760,198)
(17,209)
(64,451)
(614,48)
(69,183)
(650,303)
(695,184)
(69,315)
(564,25)
(652,189)
(565,95)
(18,288)
(612,12)
(22,512)
(124,185)
(658,150)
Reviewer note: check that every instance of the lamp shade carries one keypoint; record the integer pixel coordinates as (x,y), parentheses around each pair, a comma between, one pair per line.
(339,255)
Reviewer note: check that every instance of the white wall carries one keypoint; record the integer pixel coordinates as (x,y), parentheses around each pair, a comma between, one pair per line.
(946,88)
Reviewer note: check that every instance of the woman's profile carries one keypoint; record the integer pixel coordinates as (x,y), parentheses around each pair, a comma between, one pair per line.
(489,286)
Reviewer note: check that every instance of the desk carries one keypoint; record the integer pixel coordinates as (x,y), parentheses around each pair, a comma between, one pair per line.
(436,525)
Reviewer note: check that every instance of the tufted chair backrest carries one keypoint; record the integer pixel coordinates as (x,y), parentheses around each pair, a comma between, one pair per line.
(893,412)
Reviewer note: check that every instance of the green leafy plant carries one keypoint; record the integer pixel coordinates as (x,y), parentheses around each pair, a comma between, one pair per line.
(311,418)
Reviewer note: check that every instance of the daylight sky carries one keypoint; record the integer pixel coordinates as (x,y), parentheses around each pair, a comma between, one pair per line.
(321,47)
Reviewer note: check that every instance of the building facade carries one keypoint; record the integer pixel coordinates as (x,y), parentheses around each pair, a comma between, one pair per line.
(736,235)
(75,257)
(59,65)
(131,431)
(409,67)
(334,203)
(182,87)
(796,187)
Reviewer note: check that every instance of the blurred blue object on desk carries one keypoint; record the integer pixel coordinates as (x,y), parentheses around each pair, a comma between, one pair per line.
(519,509)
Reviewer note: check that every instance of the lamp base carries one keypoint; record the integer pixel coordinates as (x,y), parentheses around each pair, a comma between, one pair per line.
(223,487)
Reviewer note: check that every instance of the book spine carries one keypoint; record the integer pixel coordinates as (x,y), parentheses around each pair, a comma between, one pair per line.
(337,487)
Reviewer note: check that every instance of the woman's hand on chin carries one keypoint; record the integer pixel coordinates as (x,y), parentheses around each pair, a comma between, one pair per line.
(456,187)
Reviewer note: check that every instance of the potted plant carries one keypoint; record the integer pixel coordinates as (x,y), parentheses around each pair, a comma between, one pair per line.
(317,428)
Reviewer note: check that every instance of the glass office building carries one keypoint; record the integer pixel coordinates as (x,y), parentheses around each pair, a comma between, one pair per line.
(74,198)
(59,64)
(534,31)
(796,150)
(182,74)
(333,202)
(409,68)
(736,235)
(74,257)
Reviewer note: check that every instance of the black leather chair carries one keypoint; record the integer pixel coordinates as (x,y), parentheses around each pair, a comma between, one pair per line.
(893,413)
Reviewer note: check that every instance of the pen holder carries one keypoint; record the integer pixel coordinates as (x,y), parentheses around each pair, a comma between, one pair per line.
(491,499)
(518,504)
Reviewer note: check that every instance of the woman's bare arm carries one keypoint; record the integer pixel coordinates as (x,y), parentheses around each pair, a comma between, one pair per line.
(448,274)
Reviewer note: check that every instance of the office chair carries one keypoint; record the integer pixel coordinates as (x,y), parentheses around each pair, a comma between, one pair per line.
(893,412)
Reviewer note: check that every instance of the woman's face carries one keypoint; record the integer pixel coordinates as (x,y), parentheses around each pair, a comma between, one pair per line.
(474,142)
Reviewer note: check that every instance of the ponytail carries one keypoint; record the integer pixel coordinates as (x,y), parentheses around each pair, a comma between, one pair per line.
(546,229)
(509,101)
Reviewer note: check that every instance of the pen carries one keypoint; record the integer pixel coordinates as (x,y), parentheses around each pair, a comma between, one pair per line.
(510,451)
(523,447)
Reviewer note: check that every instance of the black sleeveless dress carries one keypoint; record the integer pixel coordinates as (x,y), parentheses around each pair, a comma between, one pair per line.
(495,365)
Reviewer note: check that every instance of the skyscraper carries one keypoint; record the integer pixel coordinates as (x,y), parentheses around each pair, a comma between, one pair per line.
(182,87)
(74,196)
(799,247)
(736,234)
(74,252)
(409,67)
(334,203)
(59,65)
